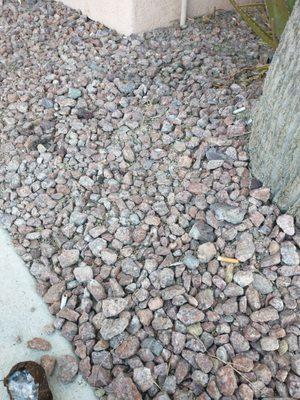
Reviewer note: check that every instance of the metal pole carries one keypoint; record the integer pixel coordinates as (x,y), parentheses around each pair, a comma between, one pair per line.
(183,13)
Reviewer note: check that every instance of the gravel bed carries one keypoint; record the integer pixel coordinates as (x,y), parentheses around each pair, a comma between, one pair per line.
(124,176)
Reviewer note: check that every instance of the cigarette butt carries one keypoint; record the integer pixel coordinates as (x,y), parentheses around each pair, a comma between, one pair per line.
(228,260)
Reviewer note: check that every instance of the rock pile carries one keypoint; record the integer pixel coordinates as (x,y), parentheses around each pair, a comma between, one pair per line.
(124,174)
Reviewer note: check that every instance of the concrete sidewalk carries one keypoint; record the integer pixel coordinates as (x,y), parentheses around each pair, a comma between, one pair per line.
(24,314)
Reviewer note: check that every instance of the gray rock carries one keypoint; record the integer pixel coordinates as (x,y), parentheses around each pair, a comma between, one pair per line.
(96,246)
(83,274)
(224,212)
(206,252)
(172,291)
(233,290)
(269,343)
(293,384)
(243,278)
(153,345)
(77,218)
(143,378)
(289,253)
(262,284)
(191,262)
(215,154)
(295,363)
(286,223)
(189,315)
(125,87)
(170,384)
(239,343)
(202,232)
(265,315)
(68,258)
(113,307)
(108,256)
(178,342)
(86,182)
(47,103)
(245,247)
(130,267)
(199,377)
(74,93)
(205,298)
(113,327)
(161,322)
(166,277)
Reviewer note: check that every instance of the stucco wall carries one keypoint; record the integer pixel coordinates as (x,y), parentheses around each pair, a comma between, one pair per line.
(133,16)
(116,14)
(150,14)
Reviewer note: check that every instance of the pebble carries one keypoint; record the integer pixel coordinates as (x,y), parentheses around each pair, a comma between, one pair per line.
(143,378)
(262,284)
(265,315)
(48,363)
(96,246)
(226,380)
(206,252)
(68,258)
(289,253)
(243,278)
(120,190)
(189,315)
(113,307)
(83,274)
(39,344)
(122,387)
(74,93)
(191,262)
(286,223)
(228,213)
(108,256)
(269,344)
(245,247)
(202,232)
(113,327)
(262,194)
(67,368)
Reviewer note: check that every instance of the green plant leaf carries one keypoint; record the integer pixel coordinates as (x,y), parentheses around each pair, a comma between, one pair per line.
(279,14)
(266,36)
(290,4)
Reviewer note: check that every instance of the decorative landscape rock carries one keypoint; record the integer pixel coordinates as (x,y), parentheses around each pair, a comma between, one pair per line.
(286,223)
(289,253)
(83,274)
(113,327)
(122,180)
(245,247)
(269,344)
(113,307)
(206,252)
(264,315)
(228,213)
(189,315)
(143,378)
(226,380)
(243,278)
(202,232)
(68,258)
(39,344)
(67,368)
(123,388)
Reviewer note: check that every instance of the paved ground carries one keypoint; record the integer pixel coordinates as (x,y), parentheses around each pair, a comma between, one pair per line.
(23,315)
